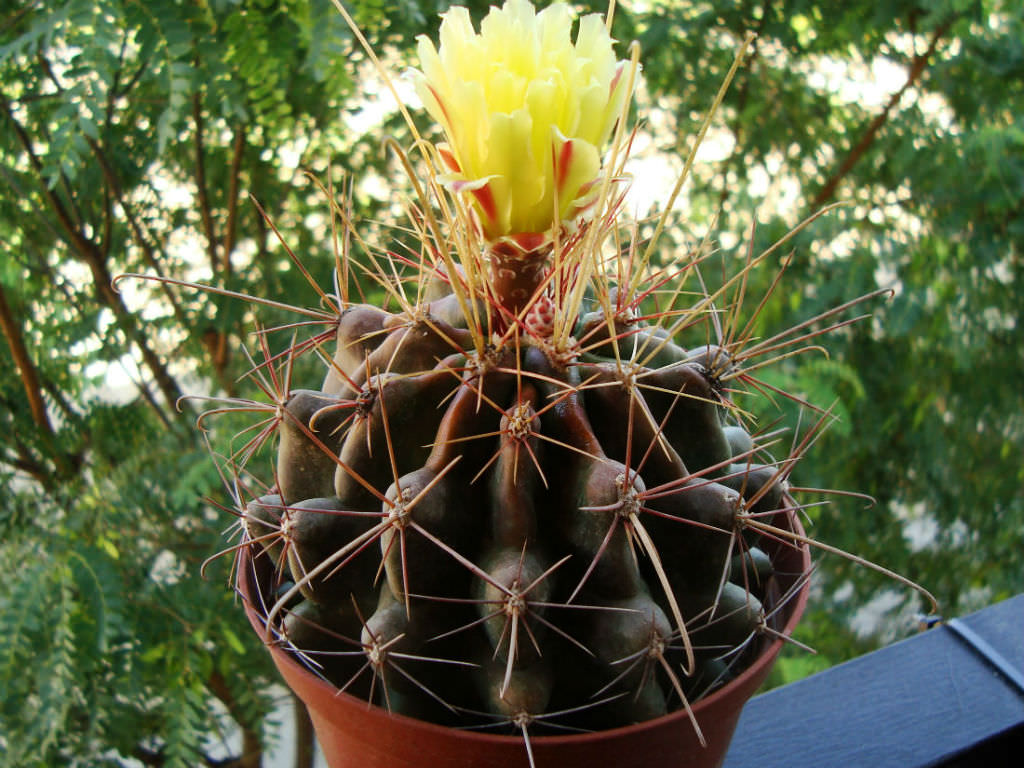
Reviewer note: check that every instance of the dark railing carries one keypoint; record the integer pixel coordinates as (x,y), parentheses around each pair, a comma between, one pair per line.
(952,696)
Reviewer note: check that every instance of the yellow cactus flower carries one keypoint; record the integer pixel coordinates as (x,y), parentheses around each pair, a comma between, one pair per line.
(525,111)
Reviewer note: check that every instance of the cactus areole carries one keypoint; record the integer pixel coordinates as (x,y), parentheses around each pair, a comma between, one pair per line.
(522,499)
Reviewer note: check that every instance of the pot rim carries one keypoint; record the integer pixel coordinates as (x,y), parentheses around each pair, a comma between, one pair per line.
(245,583)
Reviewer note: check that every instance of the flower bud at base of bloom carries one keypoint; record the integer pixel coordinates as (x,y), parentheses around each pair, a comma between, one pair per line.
(517,266)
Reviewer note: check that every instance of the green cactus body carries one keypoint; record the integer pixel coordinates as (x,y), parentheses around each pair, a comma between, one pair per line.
(520,531)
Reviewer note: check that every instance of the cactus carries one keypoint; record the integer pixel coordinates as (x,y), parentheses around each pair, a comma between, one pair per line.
(523,491)
(558,524)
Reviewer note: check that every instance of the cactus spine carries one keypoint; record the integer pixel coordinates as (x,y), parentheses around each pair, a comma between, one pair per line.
(521,494)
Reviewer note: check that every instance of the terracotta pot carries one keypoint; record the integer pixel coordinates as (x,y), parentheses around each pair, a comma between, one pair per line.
(354,734)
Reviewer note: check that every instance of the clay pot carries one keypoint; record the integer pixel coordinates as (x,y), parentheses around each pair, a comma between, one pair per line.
(354,734)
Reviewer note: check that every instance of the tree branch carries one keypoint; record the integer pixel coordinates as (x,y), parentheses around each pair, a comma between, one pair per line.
(204,200)
(105,345)
(216,341)
(27,463)
(26,368)
(64,182)
(38,472)
(90,253)
(36,211)
(141,238)
(127,87)
(78,240)
(917,67)
(65,463)
(304,736)
(11,22)
(230,234)
(252,748)
(102,280)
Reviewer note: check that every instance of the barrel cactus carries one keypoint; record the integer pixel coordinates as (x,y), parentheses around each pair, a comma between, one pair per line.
(523,491)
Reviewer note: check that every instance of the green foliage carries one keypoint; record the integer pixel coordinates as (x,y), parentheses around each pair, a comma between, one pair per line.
(105,607)
(132,133)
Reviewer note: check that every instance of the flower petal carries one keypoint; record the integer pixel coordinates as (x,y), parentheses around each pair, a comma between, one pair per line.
(525,110)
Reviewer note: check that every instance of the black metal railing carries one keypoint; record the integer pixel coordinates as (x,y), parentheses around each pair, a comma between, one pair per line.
(950,696)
